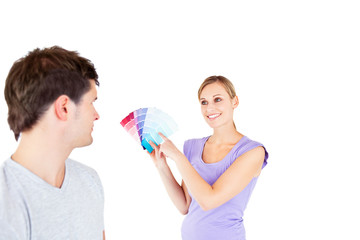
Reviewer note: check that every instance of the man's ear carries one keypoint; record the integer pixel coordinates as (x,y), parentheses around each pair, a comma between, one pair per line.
(62,105)
(235,102)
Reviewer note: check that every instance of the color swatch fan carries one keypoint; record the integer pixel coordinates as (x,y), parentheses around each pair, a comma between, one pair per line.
(144,125)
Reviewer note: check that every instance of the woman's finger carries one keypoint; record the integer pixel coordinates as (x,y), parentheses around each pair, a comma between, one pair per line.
(162,136)
(156,148)
(153,145)
(161,151)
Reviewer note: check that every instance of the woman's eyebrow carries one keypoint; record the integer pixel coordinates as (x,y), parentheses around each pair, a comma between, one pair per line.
(213,96)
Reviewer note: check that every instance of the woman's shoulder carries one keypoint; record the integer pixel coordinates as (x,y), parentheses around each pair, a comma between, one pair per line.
(196,140)
(193,143)
(246,144)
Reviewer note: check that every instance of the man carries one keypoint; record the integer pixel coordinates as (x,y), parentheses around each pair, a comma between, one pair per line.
(43,194)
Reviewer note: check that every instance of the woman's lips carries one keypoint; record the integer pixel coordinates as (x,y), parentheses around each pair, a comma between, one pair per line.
(214,116)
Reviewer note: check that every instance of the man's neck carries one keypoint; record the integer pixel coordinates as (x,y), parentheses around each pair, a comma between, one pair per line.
(44,157)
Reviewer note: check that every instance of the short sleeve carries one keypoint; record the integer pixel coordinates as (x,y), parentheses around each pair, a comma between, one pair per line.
(266,157)
(253,145)
(249,146)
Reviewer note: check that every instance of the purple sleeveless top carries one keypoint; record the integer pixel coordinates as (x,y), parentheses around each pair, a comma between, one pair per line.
(225,221)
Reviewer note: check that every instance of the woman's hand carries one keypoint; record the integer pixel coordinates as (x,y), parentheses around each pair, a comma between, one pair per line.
(168,148)
(178,194)
(158,157)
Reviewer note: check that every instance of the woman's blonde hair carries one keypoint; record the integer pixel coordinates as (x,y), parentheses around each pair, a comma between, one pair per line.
(227,84)
(229,87)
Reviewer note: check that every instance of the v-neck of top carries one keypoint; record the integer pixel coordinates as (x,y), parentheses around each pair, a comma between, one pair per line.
(41,182)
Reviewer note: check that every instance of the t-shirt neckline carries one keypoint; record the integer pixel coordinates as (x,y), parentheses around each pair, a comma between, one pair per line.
(41,182)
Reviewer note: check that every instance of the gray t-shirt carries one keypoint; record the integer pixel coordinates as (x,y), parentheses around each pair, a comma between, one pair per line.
(32,209)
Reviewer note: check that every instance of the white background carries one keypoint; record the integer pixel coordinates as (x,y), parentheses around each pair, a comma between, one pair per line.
(295,66)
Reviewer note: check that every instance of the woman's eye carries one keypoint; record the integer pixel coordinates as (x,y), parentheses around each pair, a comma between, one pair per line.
(203,102)
(217,99)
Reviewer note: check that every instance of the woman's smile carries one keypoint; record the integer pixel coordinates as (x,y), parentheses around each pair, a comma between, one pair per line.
(214,116)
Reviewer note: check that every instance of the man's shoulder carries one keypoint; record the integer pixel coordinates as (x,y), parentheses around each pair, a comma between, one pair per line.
(6,181)
(8,188)
(11,208)
(84,172)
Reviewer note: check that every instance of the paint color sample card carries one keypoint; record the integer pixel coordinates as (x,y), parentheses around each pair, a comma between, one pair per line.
(144,125)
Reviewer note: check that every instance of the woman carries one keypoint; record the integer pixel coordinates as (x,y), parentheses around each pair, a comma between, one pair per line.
(219,172)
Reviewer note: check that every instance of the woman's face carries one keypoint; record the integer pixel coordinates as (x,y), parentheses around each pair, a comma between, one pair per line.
(217,107)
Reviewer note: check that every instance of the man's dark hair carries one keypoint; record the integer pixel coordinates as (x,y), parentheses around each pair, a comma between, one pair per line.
(38,79)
